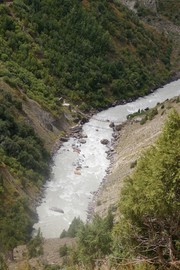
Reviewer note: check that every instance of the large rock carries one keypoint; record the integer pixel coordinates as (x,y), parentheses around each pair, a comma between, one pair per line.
(111,125)
(56,209)
(76,128)
(77,172)
(104,141)
(64,139)
(82,141)
(118,127)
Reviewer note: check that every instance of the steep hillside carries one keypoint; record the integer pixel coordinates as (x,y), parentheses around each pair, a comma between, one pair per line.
(88,53)
(167,8)
(23,169)
(27,135)
(164,16)
(91,52)
(134,139)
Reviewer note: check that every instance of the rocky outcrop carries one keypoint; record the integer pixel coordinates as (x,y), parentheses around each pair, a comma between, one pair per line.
(129,3)
(149,4)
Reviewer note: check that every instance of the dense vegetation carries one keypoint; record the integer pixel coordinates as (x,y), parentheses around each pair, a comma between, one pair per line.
(170,9)
(147,232)
(91,52)
(23,165)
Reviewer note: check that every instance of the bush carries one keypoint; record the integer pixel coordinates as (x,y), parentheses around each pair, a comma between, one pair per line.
(35,246)
(63,251)
(73,228)
(143,120)
(152,113)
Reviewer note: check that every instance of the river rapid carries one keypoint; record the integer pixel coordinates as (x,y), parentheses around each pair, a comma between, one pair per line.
(79,168)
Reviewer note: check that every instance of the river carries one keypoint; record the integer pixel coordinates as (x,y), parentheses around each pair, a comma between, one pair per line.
(71,189)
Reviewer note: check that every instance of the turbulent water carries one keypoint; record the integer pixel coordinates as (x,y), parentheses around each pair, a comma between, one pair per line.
(79,168)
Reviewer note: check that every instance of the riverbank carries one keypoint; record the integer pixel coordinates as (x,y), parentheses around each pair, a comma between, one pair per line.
(75,128)
(132,140)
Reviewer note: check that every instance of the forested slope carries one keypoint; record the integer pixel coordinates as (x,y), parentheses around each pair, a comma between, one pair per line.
(91,53)
(170,9)
(88,51)
(23,170)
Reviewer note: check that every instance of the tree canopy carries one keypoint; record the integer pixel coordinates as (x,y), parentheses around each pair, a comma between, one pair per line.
(95,52)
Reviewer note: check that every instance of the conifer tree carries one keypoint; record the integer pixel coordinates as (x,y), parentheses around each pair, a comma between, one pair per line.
(150,201)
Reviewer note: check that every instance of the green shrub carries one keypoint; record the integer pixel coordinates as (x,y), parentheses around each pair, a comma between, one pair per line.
(35,246)
(73,228)
(143,121)
(152,113)
(63,251)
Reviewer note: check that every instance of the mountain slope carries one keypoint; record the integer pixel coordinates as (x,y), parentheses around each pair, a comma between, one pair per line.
(88,51)
(164,16)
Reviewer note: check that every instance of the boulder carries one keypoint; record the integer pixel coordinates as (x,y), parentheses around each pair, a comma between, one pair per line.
(76,128)
(138,119)
(56,209)
(64,139)
(104,141)
(77,172)
(111,125)
(118,127)
(82,141)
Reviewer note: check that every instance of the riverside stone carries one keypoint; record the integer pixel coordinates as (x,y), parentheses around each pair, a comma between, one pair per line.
(64,139)
(104,141)
(82,141)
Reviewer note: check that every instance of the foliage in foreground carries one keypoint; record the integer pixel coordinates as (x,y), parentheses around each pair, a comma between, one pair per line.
(150,201)
(94,242)
(35,246)
(73,229)
(3,265)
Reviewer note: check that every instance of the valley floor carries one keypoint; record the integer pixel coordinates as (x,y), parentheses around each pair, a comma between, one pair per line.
(132,140)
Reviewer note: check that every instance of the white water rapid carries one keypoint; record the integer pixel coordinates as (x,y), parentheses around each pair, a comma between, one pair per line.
(70,189)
